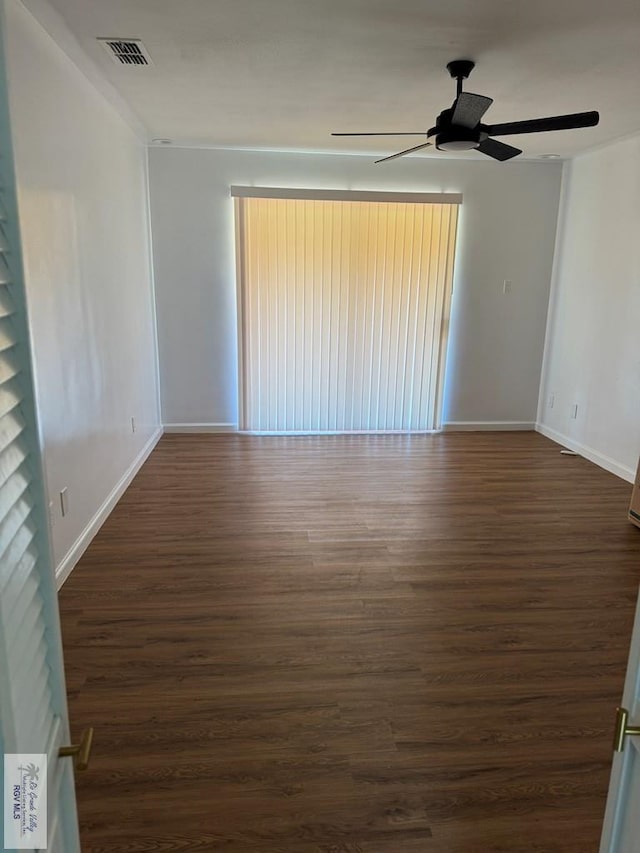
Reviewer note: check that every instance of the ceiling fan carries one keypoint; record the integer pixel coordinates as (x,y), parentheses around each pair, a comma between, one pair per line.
(460,129)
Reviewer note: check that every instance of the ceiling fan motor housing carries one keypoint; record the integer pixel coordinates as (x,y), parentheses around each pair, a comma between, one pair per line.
(451,137)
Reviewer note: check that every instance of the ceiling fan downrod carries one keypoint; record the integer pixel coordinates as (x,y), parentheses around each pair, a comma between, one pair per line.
(460,70)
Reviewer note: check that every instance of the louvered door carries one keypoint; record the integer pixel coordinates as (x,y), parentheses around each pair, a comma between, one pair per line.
(33,715)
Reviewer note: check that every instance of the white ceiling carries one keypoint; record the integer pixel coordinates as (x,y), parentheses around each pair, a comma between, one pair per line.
(282,74)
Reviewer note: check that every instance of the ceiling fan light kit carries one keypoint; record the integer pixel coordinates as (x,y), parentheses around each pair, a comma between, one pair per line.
(448,140)
(460,128)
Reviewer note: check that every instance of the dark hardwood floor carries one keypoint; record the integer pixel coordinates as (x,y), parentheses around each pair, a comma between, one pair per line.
(356,644)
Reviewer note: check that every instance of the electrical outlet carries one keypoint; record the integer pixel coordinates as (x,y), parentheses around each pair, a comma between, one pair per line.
(64,501)
(574,411)
(552,400)
(133,424)
(507,285)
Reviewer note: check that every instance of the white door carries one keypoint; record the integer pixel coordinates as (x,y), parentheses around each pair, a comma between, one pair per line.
(33,710)
(621,830)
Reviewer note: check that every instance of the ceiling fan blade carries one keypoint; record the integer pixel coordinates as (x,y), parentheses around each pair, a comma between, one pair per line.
(498,150)
(469,109)
(402,133)
(540,125)
(402,153)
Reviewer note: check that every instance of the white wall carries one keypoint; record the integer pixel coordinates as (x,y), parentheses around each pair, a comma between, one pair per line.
(507,231)
(593,352)
(82,190)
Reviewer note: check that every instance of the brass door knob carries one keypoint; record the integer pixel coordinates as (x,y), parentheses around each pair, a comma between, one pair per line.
(80,752)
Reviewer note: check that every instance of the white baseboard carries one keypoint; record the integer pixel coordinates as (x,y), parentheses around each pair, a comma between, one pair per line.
(68,562)
(325,432)
(488,426)
(201,427)
(606,462)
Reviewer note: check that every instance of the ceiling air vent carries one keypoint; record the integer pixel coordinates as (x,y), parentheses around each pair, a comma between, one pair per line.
(126,51)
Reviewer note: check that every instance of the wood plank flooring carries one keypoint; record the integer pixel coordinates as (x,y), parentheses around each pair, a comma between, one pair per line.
(355,644)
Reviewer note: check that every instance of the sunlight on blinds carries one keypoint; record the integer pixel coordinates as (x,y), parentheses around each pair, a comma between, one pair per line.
(344,310)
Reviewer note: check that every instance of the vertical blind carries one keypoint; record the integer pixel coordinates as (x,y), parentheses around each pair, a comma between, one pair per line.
(344,310)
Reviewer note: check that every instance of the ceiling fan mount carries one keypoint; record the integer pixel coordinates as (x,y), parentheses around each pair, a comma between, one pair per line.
(459,128)
(460,68)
